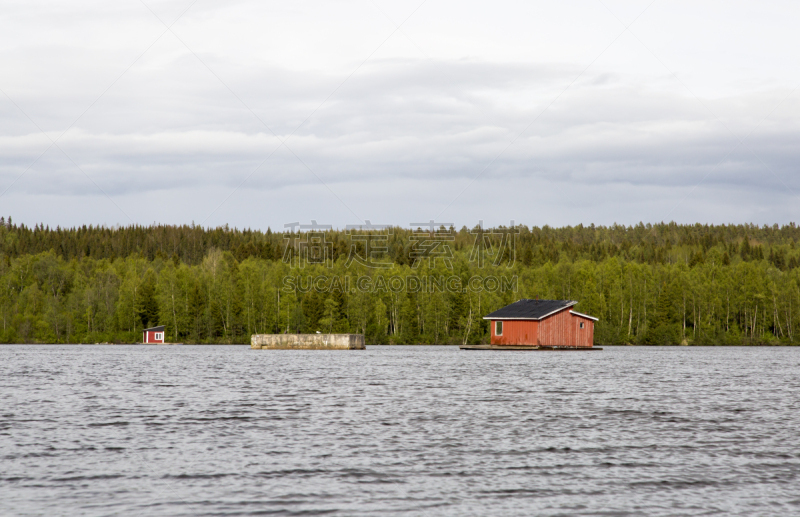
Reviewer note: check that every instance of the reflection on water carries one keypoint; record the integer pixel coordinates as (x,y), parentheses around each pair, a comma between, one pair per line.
(225,430)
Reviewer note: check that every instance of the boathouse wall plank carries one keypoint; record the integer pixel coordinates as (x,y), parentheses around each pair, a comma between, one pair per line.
(557,330)
(516,333)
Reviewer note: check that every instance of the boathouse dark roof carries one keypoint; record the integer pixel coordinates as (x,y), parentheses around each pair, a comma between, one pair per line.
(530,309)
(154,329)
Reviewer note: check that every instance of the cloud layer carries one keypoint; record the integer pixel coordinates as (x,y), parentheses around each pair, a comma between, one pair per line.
(257,117)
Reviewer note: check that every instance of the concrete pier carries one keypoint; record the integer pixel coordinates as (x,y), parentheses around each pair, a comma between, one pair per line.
(307,341)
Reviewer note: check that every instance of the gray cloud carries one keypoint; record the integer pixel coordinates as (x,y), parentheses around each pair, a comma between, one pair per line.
(169,141)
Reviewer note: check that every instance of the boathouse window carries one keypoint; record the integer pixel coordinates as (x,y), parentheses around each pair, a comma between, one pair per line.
(498,328)
(581,324)
(160,335)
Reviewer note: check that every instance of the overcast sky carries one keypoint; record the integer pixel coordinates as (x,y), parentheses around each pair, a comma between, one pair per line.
(259,114)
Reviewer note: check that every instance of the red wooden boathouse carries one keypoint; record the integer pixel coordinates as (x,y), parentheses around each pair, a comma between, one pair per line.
(542,323)
(153,335)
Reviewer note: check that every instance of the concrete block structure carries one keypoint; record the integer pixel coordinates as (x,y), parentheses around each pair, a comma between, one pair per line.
(307,341)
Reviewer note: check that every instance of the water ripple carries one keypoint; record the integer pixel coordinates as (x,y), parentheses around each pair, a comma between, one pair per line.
(225,430)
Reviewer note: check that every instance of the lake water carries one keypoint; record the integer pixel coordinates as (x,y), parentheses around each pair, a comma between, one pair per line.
(225,430)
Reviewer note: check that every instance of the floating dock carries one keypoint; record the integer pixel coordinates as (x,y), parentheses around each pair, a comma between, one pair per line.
(307,342)
(529,347)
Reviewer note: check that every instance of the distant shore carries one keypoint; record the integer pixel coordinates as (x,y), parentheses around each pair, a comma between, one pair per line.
(407,344)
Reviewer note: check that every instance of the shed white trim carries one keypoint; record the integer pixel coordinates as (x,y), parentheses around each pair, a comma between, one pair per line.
(559,310)
(584,315)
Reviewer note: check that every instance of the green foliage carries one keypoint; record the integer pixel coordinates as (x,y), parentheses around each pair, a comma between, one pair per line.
(330,315)
(660,284)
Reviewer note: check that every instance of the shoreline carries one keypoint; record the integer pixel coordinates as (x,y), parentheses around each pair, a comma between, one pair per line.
(405,344)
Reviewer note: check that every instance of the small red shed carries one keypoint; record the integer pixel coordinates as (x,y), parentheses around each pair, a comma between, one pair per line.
(542,323)
(154,335)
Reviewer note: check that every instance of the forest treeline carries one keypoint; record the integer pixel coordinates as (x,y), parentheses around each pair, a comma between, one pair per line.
(648,284)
